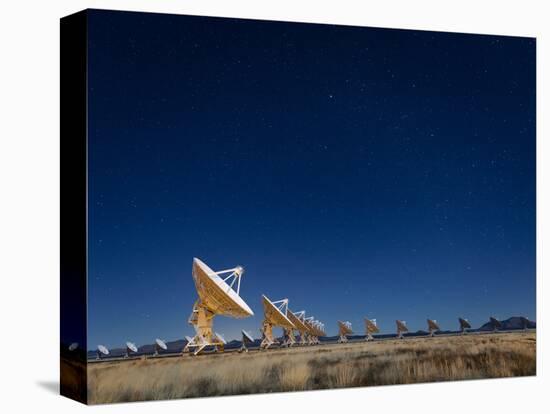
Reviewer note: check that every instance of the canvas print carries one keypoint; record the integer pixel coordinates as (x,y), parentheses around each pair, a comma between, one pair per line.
(279,206)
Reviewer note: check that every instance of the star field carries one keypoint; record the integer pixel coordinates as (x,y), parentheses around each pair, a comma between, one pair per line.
(356,171)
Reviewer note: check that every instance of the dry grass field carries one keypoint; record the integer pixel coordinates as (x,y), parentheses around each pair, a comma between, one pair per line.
(312,368)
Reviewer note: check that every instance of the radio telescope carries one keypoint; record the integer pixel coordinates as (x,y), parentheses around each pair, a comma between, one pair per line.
(344,328)
(101,350)
(495,323)
(310,329)
(73,346)
(433,327)
(274,315)
(464,325)
(401,328)
(246,340)
(319,330)
(371,327)
(160,346)
(297,318)
(130,347)
(217,296)
(316,329)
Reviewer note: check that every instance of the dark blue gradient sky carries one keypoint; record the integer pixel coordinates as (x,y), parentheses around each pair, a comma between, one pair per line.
(356,171)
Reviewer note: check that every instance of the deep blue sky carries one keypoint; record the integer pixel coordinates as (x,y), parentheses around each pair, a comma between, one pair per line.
(356,171)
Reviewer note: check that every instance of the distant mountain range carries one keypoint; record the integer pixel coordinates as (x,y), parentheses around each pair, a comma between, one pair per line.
(513,323)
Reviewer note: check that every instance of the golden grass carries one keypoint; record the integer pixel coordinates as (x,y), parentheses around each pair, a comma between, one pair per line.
(321,367)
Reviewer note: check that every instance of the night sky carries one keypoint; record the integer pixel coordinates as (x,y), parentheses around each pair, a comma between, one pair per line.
(356,171)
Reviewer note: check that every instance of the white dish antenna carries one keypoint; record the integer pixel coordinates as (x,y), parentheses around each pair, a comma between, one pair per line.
(401,328)
(275,314)
(344,329)
(464,324)
(220,296)
(247,336)
(303,327)
(433,326)
(246,339)
(217,296)
(101,350)
(73,346)
(161,344)
(371,327)
(130,347)
(296,321)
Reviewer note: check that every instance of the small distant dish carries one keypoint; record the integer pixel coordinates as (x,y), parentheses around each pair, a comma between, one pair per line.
(73,346)
(247,336)
(160,345)
(464,325)
(371,327)
(433,327)
(130,347)
(344,329)
(401,328)
(101,350)
(246,340)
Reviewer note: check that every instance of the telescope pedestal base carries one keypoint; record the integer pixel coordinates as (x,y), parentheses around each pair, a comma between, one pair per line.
(290,339)
(268,339)
(202,320)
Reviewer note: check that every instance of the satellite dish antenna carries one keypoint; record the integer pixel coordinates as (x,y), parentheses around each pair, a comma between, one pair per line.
(495,323)
(274,315)
(401,328)
(246,340)
(433,327)
(344,329)
(160,346)
(101,350)
(464,325)
(297,318)
(311,330)
(371,327)
(317,329)
(73,346)
(130,347)
(217,296)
